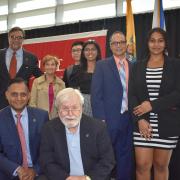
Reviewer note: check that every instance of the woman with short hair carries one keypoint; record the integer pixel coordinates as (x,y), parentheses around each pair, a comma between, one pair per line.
(46,87)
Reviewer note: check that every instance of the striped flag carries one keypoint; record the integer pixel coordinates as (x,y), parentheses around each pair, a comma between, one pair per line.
(158,15)
(130,32)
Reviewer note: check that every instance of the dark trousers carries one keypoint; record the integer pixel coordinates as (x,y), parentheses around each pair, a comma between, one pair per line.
(122,142)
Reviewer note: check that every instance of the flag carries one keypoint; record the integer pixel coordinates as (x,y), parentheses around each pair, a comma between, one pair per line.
(158,15)
(130,31)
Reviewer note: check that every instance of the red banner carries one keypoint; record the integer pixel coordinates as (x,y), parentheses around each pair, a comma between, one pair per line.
(60,46)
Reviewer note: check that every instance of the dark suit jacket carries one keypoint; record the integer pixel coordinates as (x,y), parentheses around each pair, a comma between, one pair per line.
(167,106)
(96,150)
(29,68)
(10,147)
(107,93)
(69,71)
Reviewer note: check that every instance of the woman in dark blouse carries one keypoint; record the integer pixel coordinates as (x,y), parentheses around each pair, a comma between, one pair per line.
(82,75)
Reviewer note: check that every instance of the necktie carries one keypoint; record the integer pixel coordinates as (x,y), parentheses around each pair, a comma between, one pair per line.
(13,66)
(122,74)
(22,140)
(51,96)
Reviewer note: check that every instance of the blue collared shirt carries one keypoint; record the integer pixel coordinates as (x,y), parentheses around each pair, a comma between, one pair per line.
(19,58)
(25,126)
(74,150)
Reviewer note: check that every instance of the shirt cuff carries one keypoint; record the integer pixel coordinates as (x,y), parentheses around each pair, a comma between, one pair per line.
(15,171)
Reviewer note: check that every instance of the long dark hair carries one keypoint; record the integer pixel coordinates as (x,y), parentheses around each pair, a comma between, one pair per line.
(83,60)
(164,35)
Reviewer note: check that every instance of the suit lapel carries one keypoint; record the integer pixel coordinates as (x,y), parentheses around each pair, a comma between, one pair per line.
(130,71)
(4,64)
(113,67)
(13,130)
(32,125)
(166,71)
(129,66)
(85,137)
(60,135)
(142,75)
(144,66)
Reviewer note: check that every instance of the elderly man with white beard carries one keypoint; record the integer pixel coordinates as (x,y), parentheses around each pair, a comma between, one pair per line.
(75,146)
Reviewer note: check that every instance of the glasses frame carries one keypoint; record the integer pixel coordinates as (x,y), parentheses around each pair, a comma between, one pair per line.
(66,111)
(16,37)
(116,43)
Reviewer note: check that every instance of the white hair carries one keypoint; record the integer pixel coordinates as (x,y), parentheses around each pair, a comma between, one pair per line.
(66,94)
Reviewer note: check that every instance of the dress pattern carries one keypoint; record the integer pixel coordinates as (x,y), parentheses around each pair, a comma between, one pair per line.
(153,81)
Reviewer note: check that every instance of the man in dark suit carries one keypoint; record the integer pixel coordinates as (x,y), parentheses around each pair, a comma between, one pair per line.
(20,128)
(74,146)
(109,96)
(26,63)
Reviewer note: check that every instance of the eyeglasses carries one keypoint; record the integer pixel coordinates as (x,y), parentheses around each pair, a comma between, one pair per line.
(15,95)
(116,43)
(88,50)
(76,50)
(16,37)
(73,110)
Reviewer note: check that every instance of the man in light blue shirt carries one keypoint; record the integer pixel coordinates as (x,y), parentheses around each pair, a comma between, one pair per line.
(75,146)
(73,143)
(16,62)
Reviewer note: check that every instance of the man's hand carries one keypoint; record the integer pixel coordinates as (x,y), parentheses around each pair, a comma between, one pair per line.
(21,173)
(143,108)
(145,129)
(31,173)
(76,178)
(26,173)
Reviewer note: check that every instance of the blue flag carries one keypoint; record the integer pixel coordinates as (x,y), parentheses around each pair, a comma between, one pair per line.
(158,15)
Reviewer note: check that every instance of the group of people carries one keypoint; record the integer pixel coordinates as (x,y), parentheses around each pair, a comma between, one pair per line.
(110,111)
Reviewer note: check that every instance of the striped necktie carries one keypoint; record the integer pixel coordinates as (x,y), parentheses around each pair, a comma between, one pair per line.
(13,66)
(122,74)
(22,140)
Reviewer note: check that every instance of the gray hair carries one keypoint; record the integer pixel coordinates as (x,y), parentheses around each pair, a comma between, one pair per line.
(116,32)
(66,94)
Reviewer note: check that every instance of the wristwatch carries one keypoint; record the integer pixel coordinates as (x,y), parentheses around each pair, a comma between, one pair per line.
(87,177)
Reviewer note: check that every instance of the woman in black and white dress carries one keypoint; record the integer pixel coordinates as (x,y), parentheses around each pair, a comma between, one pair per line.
(155,102)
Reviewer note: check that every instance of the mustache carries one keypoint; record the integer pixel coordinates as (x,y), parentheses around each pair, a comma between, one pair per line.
(71,117)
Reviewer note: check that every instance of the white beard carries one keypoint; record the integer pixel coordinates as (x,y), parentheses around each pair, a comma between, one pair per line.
(71,121)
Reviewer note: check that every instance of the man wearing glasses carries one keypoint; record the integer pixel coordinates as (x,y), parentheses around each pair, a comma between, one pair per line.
(75,146)
(109,97)
(76,49)
(20,129)
(16,62)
